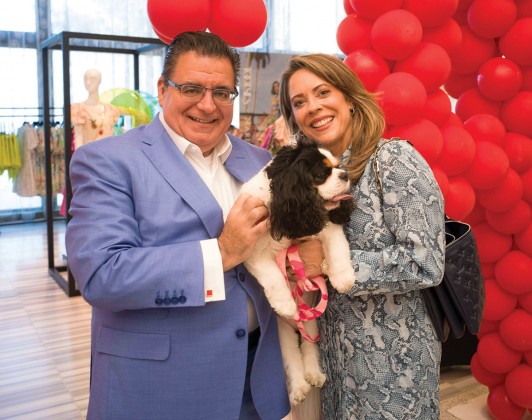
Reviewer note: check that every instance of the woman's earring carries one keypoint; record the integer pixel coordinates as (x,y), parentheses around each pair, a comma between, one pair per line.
(352,111)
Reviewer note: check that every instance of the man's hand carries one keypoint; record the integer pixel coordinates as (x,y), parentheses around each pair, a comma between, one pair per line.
(246,222)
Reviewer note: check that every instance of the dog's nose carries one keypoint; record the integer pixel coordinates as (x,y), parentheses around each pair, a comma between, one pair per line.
(343,176)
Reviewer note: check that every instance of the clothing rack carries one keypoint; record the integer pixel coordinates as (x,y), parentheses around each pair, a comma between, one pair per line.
(67,42)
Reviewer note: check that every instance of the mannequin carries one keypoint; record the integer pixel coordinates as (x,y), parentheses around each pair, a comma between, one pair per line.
(92,118)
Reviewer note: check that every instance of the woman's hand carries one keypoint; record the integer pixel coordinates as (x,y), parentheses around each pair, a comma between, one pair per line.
(311,254)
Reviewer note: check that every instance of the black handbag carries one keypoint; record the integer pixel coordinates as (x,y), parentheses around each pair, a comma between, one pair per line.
(457,302)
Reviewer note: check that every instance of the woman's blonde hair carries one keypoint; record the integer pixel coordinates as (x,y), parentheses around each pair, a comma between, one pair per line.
(367,117)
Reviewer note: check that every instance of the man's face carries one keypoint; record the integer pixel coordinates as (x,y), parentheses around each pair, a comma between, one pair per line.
(202,122)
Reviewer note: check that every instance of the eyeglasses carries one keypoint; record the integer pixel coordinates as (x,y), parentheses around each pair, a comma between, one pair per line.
(195,93)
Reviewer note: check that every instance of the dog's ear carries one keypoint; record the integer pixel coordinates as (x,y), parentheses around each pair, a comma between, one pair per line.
(342,214)
(296,209)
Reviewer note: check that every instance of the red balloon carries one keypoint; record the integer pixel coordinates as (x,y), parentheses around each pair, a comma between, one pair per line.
(516,330)
(472,52)
(505,195)
(162,37)
(499,79)
(518,385)
(524,8)
(461,17)
(514,272)
(438,108)
(515,43)
(487,327)
(486,127)
(489,166)
(403,98)
(488,270)
(396,34)
(476,217)
(430,63)
(447,35)
(464,4)
(499,303)
(239,23)
(432,13)
(353,33)
(370,9)
(516,112)
(519,150)
(512,221)
(501,407)
(495,355)
(458,150)
(525,301)
(348,8)
(483,375)
(492,245)
(460,199)
(456,84)
(454,120)
(369,66)
(523,240)
(472,102)
(491,18)
(441,179)
(528,357)
(527,183)
(527,77)
(170,18)
(424,135)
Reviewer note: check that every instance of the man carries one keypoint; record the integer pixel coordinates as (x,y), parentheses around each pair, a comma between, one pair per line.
(156,245)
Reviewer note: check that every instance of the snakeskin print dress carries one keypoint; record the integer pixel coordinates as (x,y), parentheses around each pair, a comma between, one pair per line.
(378,347)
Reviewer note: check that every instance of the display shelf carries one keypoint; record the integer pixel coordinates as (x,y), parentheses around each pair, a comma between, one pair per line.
(67,42)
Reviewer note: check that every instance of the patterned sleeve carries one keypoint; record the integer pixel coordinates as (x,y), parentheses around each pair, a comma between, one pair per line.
(397,237)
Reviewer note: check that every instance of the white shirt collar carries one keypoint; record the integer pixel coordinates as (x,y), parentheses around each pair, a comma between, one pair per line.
(221,150)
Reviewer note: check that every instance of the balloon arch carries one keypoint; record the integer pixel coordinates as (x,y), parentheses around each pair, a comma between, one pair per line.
(418,54)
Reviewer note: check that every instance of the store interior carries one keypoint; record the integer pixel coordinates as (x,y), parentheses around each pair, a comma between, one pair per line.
(471,122)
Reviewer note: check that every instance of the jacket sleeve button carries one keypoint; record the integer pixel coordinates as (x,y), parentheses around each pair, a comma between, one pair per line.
(240,333)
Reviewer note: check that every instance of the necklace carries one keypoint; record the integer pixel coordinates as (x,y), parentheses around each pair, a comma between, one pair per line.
(95,124)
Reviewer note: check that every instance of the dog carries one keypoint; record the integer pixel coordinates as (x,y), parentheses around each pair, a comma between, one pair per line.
(307,195)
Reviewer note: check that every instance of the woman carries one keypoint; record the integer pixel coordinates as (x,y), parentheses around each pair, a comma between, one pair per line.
(378,347)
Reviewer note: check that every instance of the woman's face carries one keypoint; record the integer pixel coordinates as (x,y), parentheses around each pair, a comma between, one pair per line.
(320,110)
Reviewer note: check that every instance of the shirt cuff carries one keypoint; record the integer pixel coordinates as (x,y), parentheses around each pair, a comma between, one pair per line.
(213,269)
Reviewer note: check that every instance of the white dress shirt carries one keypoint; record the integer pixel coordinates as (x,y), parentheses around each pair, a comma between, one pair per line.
(225,188)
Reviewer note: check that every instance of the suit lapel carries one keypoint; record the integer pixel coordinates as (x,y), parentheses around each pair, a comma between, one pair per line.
(241,164)
(177,171)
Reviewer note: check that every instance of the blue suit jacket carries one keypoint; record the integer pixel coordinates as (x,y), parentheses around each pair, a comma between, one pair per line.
(138,212)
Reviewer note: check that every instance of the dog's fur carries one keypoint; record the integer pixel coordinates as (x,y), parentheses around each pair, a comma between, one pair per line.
(307,196)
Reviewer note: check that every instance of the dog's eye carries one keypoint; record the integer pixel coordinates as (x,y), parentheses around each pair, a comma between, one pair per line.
(320,176)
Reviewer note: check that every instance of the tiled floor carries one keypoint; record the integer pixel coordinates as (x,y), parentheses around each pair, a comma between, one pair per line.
(45,340)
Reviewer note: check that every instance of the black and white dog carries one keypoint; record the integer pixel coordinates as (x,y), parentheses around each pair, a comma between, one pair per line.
(307,195)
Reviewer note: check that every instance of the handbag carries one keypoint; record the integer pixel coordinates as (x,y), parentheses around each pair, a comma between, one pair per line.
(457,302)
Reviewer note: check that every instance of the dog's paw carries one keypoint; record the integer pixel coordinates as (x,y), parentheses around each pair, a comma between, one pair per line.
(315,377)
(283,305)
(343,280)
(297,391)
